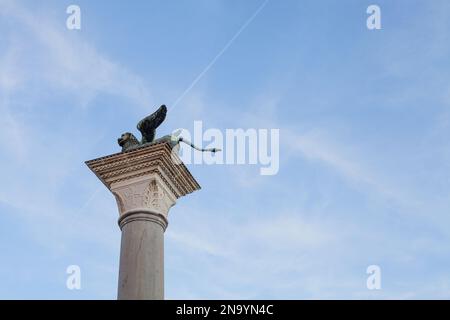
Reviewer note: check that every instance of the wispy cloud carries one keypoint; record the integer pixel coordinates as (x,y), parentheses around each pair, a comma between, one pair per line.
(317,146)
(257,249)
(64,59)
(39,57)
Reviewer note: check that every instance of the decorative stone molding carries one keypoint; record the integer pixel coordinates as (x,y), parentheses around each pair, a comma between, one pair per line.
(148,179)
(147,193)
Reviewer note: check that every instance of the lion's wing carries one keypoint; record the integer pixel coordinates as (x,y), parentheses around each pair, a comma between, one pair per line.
(148,125)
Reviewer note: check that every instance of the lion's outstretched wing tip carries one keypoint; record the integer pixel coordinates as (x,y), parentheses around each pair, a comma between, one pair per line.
(148,125)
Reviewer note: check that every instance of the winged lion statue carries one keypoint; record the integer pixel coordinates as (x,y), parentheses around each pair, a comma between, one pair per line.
(147,128)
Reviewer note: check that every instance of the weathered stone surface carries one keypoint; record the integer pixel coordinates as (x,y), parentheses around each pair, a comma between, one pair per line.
(151,177)
(141,273)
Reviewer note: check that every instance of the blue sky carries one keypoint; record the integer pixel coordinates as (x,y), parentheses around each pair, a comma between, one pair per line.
(364,123)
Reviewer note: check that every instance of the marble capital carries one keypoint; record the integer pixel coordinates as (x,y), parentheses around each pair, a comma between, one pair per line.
(148,179)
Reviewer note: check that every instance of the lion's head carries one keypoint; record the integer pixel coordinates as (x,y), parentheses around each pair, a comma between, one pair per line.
(127,141)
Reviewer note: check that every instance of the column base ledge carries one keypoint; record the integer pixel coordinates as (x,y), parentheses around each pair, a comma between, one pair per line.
(143,214)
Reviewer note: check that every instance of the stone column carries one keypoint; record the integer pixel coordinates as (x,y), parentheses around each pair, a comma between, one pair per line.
(146,183)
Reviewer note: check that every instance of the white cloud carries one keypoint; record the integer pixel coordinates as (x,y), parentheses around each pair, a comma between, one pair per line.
(258,251)
(40,58)
(349,164)
(280,232)
(64,59)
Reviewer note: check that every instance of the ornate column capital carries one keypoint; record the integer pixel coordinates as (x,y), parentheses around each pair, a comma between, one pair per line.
(144,180)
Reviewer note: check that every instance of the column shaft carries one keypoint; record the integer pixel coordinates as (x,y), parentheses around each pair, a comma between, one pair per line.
(141,271)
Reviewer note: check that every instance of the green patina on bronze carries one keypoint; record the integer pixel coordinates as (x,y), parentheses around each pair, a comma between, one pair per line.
(147,127)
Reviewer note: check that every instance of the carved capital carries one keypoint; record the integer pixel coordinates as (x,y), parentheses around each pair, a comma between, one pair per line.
(149,193)
(145,179)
